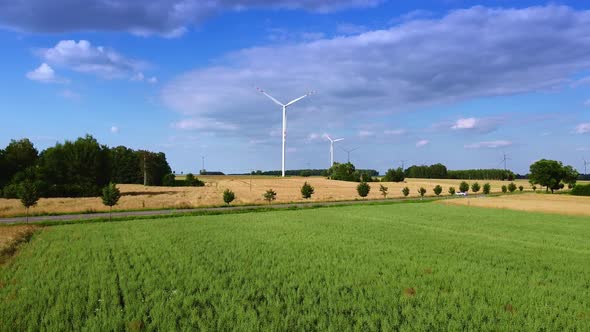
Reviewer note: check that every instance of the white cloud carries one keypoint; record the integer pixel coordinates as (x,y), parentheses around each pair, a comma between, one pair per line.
(350,29)
(114,129)
(394,132)
(422,143)
(152,80)
(481,125)
(583,128)
(488,145)
(203,124)
(44,74)
(468,123)
(365,133)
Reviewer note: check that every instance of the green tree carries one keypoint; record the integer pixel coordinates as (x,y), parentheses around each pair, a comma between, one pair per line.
(383,189)
(534,188)
(421,191)
(464,187)
(406,191)
(28,195)
(475,187)
(169,180)
(363,189)
(504,189)
(228,196)
(270,195)
(511,187)
(550,173)
(394,175)
(110,197)
(125,166)
(452,190)
(438,190)
(18,156)
(520,188)
(307,190)
(487,188)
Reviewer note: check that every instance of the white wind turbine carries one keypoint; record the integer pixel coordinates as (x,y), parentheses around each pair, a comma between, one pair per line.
(332,141)
(284,106)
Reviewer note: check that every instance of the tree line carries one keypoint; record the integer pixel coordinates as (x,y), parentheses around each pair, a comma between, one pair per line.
(440,171)
(80,168)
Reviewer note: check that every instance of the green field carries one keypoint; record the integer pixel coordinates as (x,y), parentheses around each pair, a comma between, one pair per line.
(401,266)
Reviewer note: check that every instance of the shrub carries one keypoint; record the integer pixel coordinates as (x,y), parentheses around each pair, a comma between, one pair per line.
(307,190)
(270,195)
(169,180)
(305,173)
(511,187)
(569,185)
(394,175)
(383,190)
(504,189)
(363,189)
(475,187)
(110,197)
(228,196)
(581,190)
(534,188)
(11,191)
(452,190)
(406,191)
(520,188)
(438,190)
(421,191)
(464,187)
(28,195)
(487,188)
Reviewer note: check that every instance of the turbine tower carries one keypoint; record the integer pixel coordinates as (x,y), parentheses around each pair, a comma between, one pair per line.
(332,141)
(585,164)
(504,159)
(284,106)
(348,151)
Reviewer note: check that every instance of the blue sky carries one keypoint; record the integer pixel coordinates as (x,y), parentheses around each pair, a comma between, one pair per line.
(457,82)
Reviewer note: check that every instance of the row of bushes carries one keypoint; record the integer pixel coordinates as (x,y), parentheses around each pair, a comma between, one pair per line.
(581,190)
(190,180)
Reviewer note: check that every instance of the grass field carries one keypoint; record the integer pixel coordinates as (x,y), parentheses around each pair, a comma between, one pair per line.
(403,266)
(248,190)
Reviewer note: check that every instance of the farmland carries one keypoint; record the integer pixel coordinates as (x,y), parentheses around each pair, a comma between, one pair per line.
(248,190)
(401,266)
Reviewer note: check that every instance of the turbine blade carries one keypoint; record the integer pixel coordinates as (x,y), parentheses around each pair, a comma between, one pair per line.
(271,97)
(338,139)
(298,99)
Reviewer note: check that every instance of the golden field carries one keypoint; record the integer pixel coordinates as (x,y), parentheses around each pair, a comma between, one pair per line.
(539,202)
(248,190)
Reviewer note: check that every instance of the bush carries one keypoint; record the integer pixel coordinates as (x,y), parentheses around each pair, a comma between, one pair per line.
(504,189)
(305,173)
(534,188)
(394,175)
(421,191)
(521,188)
(228,196)
(475,187)
(169,180)
(452,190)
(270,195)
(363,189)
(511,187)
(487,188)
(383,189)
(464,187)
(438,190)
(406,191)
(307,190)
(11,191)
(581,190)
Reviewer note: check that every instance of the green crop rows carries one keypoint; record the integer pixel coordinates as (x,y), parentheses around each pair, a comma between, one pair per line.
(409,267)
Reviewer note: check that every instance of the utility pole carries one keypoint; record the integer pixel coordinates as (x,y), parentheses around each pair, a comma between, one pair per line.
(144,169)
(203,164)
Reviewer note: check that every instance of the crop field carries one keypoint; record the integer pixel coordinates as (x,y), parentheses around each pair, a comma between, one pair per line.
(560,204)
(248,190)
(414,266)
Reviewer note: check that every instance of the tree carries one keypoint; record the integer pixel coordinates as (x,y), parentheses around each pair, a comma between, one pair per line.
(550,173)
(383,189)
(406,191)
(270,195)
(110,197)
(189,180)
(520,188)
(363,189)
(475,187)
(18,156)
(487,188)
(534,188)
(438,190)
(421,191)
(28,195)
(228,196)
(452,190)
(307,190)
(511,187)
(394,175)
(464,187)
(504,189)
(169,180)
(125,166)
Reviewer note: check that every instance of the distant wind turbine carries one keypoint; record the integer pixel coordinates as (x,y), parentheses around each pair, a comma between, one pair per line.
(348,151)
(585,164)
(284,106)
(332,141)
(504,159)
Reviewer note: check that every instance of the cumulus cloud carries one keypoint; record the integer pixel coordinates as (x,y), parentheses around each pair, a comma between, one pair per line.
(83,57)
(488,145)
(583,128)
(365,133)
(481,125)
(44,74)
(422,143)
(114,129)
(406,67)
(169,18)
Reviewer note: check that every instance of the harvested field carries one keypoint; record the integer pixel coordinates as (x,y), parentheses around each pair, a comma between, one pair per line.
(562,204)
(248,190)
(11,236)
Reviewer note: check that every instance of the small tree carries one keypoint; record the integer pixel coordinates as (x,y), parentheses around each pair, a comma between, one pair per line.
(421,191)
(270,195)
(452,190)
(520,188)
(438,190)
(383,190)
(475,187)
(406,191)
(534,188)
(487,188)
(511,187)
(464,187)
(28,195)
(110,197)
(228,196)
(363,189)
(169,180)
(504,189)
(307,190)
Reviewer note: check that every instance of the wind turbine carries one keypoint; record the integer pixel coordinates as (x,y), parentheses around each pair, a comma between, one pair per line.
(585,164)
(332,141)
(504,159)
(284,106)
(348,151)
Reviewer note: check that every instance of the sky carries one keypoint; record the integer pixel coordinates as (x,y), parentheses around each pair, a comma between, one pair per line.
(453,81)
